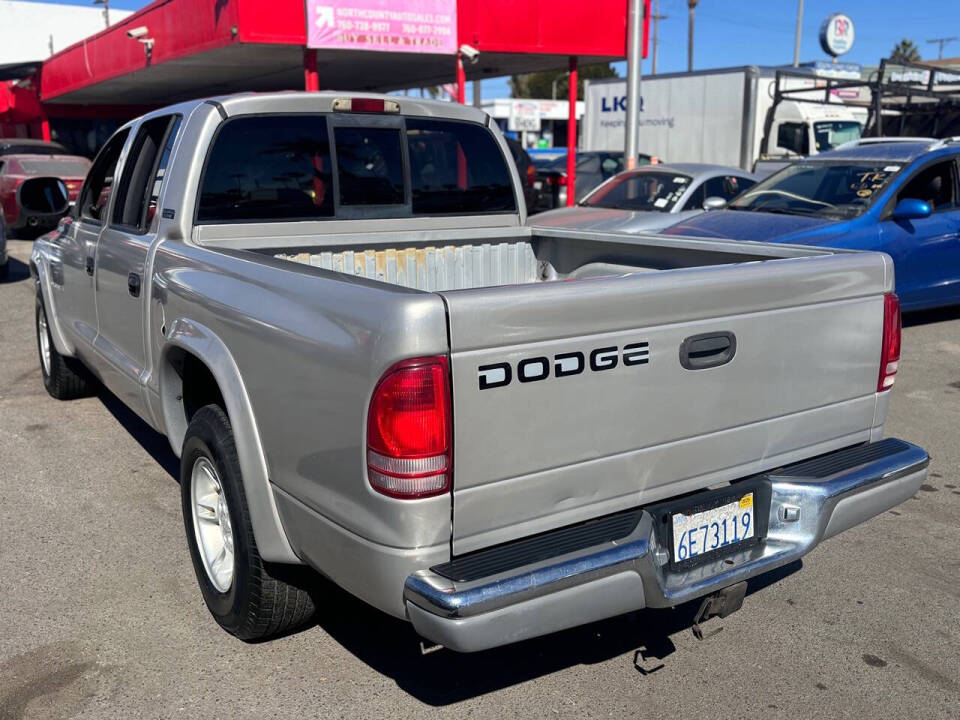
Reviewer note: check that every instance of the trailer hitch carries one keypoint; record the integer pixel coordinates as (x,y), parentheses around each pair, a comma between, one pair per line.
(721,604)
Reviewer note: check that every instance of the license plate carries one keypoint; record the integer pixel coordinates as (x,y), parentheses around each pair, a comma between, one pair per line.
(720,527)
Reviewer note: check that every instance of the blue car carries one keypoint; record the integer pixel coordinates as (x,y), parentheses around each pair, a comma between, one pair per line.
(900,197)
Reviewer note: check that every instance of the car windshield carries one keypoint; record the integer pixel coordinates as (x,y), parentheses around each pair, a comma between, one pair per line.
(641,191)
(56,167)
(839,190)
(830,134)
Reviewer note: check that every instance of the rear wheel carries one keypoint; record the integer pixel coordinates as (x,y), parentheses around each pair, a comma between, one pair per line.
(246,596)
(64,378)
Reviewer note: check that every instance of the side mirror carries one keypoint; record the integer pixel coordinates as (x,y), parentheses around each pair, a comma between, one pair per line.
(911,209)
(714,203)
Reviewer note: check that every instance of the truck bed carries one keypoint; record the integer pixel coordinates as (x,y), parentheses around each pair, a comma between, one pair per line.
(534,256)
(554,448)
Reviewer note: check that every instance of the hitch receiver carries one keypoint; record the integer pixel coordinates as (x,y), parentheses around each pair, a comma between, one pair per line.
(721,604)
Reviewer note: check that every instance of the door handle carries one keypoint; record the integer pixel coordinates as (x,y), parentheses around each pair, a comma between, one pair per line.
(133,284)
(708,350)
(89,265)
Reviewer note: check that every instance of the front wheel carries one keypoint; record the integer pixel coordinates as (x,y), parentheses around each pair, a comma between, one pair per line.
(64,378)
(244,595)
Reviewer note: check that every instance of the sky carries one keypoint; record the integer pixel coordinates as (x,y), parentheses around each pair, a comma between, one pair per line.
(761,32)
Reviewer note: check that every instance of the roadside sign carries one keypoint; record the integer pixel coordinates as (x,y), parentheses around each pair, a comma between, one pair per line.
(422,26)
(524,115)
(836,34)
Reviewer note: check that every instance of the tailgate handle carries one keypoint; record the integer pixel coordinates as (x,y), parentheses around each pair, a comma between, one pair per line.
(708,350)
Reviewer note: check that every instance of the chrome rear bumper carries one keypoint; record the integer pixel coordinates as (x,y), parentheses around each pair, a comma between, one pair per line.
(810,502)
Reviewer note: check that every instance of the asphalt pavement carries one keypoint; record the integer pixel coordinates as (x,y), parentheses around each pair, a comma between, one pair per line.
(100,615)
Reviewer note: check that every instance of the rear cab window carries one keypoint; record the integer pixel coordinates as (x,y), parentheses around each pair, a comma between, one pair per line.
(313,167)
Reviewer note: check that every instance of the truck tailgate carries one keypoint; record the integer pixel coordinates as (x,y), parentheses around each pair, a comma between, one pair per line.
(536,449)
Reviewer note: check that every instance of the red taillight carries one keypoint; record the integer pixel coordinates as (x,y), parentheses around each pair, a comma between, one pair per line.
(890,348)
(366,105)
(409,430)
(531,174)
(557,180)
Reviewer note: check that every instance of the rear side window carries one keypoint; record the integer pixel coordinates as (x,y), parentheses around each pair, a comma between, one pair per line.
(457,167)
(143,172)
(268,168)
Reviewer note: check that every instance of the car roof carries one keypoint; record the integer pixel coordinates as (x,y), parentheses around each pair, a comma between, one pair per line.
(18,146)
(692,169)
(902,151)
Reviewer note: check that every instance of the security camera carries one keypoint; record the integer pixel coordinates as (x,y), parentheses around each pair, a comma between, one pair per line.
(137,32)
(470,53)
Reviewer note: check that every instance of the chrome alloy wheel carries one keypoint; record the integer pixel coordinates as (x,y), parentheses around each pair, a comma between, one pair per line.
(211,524)
(43,335)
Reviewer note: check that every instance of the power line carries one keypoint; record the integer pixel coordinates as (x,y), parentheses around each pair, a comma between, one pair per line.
(940,42)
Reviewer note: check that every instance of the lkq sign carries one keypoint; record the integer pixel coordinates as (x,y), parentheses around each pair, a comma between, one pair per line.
(424,26)
(836,34)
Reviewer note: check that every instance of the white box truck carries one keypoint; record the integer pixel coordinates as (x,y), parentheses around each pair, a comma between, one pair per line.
(717,116)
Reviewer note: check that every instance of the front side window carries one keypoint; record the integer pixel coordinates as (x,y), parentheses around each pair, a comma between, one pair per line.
(935,185)
(641,191)
(726,186)
(95,195)
(274,167)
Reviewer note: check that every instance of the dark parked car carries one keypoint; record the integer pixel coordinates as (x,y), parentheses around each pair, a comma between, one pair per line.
(528,175)
(593,167)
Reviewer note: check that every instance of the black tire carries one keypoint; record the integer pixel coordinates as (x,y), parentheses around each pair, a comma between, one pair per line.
(258,604)
(4,270)
(67,379)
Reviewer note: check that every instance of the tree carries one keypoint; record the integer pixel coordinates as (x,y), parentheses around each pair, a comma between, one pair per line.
(540,85)
(905,51)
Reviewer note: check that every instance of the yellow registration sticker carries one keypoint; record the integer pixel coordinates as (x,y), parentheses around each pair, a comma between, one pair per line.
(746,501)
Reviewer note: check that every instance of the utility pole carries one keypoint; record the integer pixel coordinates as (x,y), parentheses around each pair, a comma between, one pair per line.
(634,56)
(692,5)
(656,17)
(106,11)
(940,42)
(796,41)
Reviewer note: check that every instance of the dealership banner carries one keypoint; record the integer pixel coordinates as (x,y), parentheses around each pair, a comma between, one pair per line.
(427,26)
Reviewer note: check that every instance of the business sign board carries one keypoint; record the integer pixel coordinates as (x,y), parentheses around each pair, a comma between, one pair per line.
(422,26)
(524,115)
(697,118)
(836,34)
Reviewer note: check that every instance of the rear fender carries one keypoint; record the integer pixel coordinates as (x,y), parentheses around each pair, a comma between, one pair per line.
(211,350)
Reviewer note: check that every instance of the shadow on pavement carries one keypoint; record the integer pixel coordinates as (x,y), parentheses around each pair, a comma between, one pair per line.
(150,440)
(16,272)
(926,317)
(442,677)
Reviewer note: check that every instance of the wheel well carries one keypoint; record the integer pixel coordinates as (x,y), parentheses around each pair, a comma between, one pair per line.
(198,386)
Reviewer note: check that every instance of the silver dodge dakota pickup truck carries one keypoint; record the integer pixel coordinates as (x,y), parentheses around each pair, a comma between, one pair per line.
(371,368)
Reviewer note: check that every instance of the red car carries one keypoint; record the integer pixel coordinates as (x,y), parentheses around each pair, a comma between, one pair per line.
(36,190)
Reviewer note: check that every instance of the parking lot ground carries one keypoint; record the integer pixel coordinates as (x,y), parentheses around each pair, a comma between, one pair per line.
(100,615)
